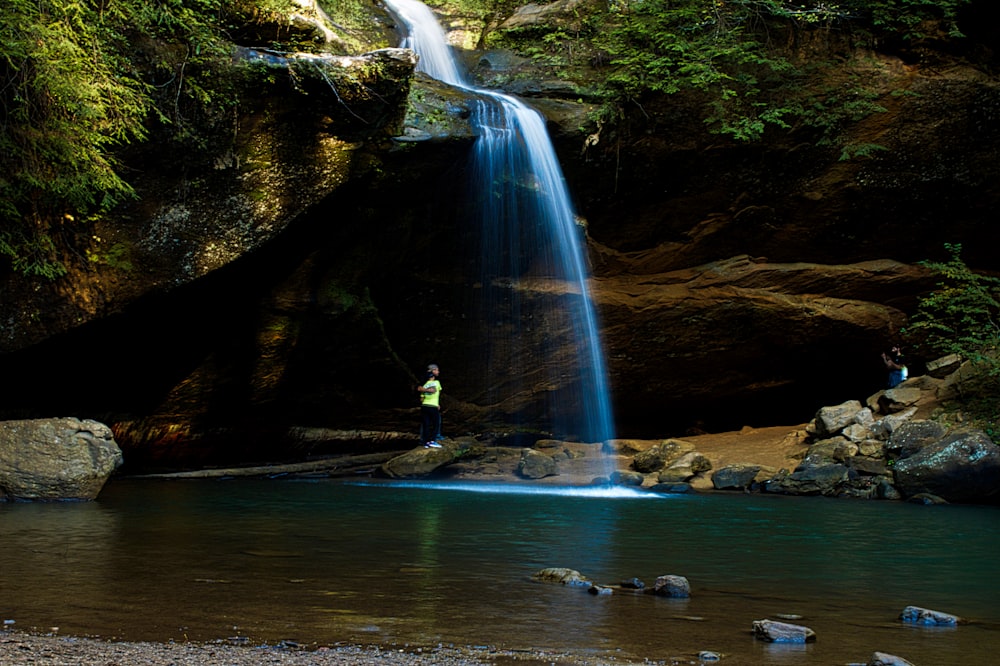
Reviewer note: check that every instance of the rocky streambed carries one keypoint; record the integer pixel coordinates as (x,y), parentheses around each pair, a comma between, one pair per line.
(20,649)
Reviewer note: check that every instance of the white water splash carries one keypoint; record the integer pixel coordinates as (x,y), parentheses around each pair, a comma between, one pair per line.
(597,492)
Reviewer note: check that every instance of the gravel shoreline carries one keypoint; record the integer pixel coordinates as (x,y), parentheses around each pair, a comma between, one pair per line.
(26,649)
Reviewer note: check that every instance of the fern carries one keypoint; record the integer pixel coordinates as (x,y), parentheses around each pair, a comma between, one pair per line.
(962,315)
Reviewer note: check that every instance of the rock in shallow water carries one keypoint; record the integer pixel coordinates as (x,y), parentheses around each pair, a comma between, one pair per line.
(883,659)
(561,575)
(925,616)
(782,632)
(672,586)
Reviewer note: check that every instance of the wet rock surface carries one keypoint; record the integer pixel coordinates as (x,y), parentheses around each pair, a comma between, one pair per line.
(960,467)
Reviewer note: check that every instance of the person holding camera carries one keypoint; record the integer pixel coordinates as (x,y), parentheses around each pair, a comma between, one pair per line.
(430,408)
(894,363)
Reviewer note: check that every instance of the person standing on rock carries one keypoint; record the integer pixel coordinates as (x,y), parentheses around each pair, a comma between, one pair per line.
(894,363)
(430,408)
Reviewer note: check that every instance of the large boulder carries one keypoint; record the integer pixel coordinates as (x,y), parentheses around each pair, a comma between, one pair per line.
(561,13)
(421,461)
(822,479)
(963,466)
(740,476)
(660,455)
(912,436)
(685,467)
(944,366)
(891,401)
(886,426)
(825,451)
(536,465)
(627,478)
(833,419)
(56,459)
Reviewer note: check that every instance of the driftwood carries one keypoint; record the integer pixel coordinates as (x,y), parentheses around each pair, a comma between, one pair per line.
(343,465)
(330,435)
(338,466)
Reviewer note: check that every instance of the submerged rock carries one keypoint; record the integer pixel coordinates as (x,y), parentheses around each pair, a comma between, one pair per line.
(561,575)
(927,499)
(883,659)
(633,584)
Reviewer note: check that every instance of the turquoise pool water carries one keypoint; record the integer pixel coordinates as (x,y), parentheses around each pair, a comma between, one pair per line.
(321,562)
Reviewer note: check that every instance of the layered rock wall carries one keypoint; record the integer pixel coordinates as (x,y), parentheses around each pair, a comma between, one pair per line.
(301,274)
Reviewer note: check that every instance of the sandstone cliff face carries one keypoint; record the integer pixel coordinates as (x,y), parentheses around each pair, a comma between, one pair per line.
(298,134)
(305,276)
(694,200)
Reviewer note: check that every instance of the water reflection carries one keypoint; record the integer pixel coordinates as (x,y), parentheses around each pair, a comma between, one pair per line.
(326,562)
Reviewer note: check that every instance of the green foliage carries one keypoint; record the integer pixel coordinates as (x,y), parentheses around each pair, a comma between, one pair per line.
(906,18)
(666,47)
(67,98)
(856,150)
(488,14)
(962,315)
(81,79)
(736,55)
(70,95)
(33,255)
(117,255)
(723,49)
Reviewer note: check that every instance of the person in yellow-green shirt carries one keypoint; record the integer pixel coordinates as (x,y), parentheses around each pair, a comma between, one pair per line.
(430,408)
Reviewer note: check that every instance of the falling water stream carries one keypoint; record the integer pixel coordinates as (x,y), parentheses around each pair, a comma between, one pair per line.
(528,217)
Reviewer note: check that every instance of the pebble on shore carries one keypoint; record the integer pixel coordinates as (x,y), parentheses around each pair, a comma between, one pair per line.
(25,649)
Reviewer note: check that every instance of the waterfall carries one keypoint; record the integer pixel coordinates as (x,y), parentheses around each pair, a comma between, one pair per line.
(525,207)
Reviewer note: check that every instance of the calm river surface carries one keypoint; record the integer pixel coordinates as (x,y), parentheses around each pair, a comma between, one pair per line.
(324,562)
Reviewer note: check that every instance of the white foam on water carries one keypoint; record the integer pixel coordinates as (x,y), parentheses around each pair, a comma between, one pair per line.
(601,492)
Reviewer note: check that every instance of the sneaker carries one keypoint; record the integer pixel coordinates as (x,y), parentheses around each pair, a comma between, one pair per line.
(432,445)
